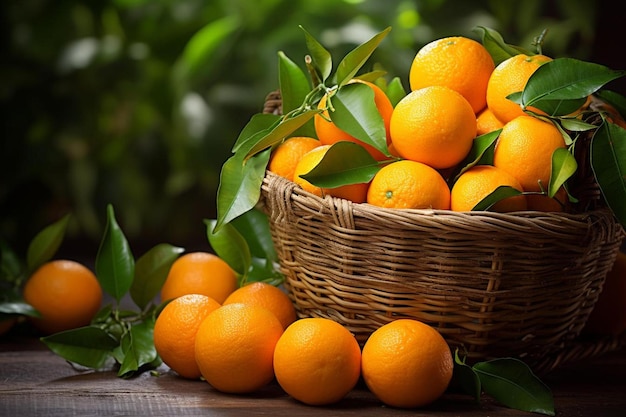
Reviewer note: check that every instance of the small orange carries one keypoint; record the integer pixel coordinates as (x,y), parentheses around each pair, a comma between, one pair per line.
(286,155)
(328,133)
(524,149)
(478,182)
(356,193)
(199,273)
(406,364)
(608,316)
(409,184)
(268,296)
(175,332)
(511,76)
(235,347)
(434,125)
(487,122)
(457,62)
(317,361)
(66,293)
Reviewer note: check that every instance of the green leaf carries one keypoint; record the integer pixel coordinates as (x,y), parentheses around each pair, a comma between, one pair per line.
(322,60)
(355,59)
(512,383)
(138,348)
(11,271)
(498,49)
(18,308)
(254,226)
(372,76)
(201,49)
(608,162)
(574,124)
(278,133)
(230,245)
(115,265)
(466,378)
(500,193)
(259,125)
(481,153)
(614,99)
(88,346)
(45,244)
(395,91)
(564,165)
(263,270)
(562,85)
(294,90)
(294,85)
(343,163)
(240,186)
(355,113)
(151,271)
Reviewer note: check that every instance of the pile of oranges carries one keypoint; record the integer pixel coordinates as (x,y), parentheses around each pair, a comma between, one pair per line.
(241,338)
(253,337)
(456,94)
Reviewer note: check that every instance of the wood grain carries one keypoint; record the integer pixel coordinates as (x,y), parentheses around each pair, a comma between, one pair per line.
(36,382)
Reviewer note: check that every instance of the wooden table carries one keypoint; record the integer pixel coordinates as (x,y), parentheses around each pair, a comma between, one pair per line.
(36,382)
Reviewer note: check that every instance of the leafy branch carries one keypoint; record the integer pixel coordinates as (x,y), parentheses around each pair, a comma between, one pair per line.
(242,174)
(508,380)
(119,337)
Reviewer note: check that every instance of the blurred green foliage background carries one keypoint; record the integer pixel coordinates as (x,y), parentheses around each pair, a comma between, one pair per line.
(138,102)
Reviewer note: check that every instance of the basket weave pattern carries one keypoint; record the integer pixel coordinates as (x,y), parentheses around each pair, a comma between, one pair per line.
(493,284)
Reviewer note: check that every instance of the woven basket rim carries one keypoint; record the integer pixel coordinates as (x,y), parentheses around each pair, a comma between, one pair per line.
(357,208)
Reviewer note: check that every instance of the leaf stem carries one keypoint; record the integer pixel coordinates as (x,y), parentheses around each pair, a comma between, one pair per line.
(538,41)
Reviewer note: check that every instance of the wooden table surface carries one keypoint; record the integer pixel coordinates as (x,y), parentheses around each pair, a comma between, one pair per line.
(36,382)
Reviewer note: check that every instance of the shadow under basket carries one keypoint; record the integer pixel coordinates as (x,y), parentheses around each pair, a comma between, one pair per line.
(494,285)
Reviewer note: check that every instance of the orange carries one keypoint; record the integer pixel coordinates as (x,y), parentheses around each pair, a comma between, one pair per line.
(199,273)
(286,155)
(478,182)
(457,62)
(524,149)
(356,193)
(541,202)
(608,316)
(511,76)
(317,361)
(434,125)
(235,347)
(66,293)
(328,133)
(409,184)
(406,364)
(487,122)
(175,332)
(268,296)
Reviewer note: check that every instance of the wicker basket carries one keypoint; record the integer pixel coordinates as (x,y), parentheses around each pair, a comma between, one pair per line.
(494,285)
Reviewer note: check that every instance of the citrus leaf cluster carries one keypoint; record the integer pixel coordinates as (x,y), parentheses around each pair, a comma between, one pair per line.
(246,245)
(116,336)
(508,380)
(301,90)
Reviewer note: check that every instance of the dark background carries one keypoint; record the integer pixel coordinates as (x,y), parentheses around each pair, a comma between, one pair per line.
(136,103)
